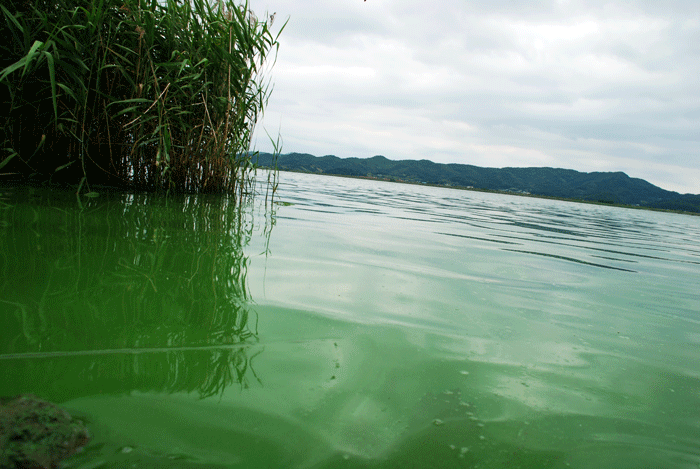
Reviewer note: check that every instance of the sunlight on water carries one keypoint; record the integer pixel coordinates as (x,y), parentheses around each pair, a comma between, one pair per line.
(362,324)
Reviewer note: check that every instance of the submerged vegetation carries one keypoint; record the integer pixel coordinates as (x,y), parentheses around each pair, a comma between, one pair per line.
(160,283)
(136,94)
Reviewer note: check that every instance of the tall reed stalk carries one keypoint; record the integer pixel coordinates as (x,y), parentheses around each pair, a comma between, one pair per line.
(139,94)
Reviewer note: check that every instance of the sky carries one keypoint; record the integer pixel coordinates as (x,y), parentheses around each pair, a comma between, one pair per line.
(585,85)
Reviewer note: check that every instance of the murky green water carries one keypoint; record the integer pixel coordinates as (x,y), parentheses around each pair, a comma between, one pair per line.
(374,325)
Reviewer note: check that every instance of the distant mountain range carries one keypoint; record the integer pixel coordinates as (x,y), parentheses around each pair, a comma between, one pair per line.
(609,188)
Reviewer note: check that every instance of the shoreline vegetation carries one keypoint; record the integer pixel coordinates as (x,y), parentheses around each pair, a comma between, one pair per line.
(518,194)
(142,95)
(610,189)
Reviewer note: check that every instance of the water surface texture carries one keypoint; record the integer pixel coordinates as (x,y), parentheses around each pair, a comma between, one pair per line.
(360,324)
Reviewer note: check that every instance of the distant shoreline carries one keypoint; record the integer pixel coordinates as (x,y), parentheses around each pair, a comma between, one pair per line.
(494,191)
(601,188)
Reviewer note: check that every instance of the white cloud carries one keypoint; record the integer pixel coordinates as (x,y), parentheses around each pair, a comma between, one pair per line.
(587,85)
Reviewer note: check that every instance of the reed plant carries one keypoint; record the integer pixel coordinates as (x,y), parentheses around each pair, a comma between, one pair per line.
(138,94)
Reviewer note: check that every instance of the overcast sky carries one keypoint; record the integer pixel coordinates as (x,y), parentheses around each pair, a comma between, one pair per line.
(586,85)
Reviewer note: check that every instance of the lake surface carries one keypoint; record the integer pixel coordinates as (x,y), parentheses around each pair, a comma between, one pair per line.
(358,324)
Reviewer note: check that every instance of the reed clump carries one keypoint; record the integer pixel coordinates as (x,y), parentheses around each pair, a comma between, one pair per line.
(138,94)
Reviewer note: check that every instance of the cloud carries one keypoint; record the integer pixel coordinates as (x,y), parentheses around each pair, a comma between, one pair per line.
(588,85)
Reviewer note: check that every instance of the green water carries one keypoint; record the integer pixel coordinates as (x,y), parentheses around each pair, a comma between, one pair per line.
(360,324)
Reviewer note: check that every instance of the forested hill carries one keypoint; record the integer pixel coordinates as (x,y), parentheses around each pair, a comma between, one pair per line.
(614,188)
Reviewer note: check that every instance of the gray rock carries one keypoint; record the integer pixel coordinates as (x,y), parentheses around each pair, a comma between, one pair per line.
(36,434)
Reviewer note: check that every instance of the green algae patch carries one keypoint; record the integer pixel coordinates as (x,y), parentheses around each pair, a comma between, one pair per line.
(37,434)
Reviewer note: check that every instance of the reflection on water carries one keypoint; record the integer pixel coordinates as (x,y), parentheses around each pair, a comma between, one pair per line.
(377,326)
(576,324)
(127,292)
